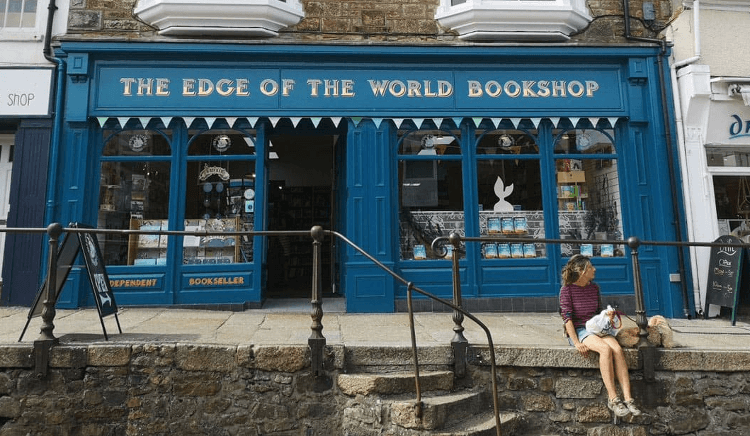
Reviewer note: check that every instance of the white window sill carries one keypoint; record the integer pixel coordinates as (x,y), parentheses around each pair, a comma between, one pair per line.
(514,20)
(263,18)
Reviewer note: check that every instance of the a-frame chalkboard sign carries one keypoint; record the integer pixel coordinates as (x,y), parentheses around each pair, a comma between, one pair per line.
(88,245)
(725,275)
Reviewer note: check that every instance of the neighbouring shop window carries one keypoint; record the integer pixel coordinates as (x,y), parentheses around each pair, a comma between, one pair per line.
(732,196)
(727,157)
(134,191)
(509,187)
(588,191)
(219,196)
(430,190)
(18,13)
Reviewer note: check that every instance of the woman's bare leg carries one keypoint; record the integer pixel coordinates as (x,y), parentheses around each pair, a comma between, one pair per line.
(606,362)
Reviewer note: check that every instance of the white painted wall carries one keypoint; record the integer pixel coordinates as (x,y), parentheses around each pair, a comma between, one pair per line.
(23,47)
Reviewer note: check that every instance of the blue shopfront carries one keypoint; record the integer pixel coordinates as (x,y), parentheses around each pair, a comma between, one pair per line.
(391,146)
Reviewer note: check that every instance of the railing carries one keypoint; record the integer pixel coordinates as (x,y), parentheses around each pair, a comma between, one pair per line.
(317,341)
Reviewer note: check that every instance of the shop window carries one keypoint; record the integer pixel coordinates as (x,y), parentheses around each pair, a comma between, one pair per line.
(430,190)
(219,196)
(18,14)
(732,196)
(501,20)
(727,157)
(133,193)
(588,191)
(510,192)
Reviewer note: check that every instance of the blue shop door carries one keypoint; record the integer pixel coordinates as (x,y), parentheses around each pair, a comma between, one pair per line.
(368,206)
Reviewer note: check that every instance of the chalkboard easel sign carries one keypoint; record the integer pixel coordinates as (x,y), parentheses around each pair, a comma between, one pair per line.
(725,275)
(67,252)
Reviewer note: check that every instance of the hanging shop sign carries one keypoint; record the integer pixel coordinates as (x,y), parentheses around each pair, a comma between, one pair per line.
(176,88)
(728,124)
(25,92)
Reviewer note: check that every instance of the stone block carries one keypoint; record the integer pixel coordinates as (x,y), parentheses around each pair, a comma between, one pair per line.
(62,356)
(205,357)
(9,408)
(538,403)
(85,20)
(152,355)
(593,413)
(577,388)
(282,358)
(17,356)
(109,355)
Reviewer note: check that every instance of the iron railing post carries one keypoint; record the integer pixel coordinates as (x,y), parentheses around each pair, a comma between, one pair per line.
(417,386)
(645,350)
(459,343)
(54,231)
(317,341)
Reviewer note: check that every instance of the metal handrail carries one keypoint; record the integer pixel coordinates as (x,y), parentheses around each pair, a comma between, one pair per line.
(317,340)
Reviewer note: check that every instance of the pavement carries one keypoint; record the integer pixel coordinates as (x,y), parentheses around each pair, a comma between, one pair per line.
(288,322)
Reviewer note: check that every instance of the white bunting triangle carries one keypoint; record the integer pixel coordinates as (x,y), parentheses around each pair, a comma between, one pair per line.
(230,121)
(418,122)
(102,120)
(398,122)
(252,121)
(316,121)
(210,121)
(274,120)
(555,121)
(594,121)
(535,122)
(496,121)
(144,121)
(612,121)
(122,121)
(188,121)
(166,121)
(336,121)
(295,120)
(574,121)
(516,122)
(377,122)
(438,122)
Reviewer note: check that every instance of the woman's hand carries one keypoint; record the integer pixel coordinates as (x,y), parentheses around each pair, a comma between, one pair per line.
(582,348)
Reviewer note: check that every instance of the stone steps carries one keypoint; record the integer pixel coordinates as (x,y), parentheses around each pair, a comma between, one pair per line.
(394,383)
(444,412)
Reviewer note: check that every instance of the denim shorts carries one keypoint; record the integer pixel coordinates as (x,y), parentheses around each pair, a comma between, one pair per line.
(582,334)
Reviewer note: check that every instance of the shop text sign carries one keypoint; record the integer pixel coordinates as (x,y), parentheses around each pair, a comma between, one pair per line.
(25,92)
(728,123)
(310,89)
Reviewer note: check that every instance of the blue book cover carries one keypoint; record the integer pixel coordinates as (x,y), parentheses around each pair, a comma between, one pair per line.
(493,225)
(516,250)
(608,250)
(587,250)
(420,252)
(503,251)
(490,251)
(529,250)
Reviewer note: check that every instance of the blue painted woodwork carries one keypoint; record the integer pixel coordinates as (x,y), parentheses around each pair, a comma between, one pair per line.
(23,265)
(111,80)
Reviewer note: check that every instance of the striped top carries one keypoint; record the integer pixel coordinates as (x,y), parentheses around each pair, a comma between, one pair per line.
(579,303)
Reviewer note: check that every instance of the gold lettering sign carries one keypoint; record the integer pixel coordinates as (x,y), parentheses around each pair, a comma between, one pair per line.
(216,281)
(132,283)
(347,88)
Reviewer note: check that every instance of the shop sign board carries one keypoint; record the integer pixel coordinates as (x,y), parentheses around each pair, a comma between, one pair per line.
(173,87)
(728,123)
(25,92)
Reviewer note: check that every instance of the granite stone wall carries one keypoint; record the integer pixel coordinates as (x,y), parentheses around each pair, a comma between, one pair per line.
(402,21)
(162,389)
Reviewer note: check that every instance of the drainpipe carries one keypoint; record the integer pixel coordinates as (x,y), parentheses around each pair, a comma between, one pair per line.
(58,118)
(670,153)
(696,35)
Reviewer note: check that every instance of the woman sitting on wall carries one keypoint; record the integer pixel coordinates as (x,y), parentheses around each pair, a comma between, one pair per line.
(580,300)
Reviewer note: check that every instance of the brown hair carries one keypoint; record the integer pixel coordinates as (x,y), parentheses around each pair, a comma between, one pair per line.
(574,268)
